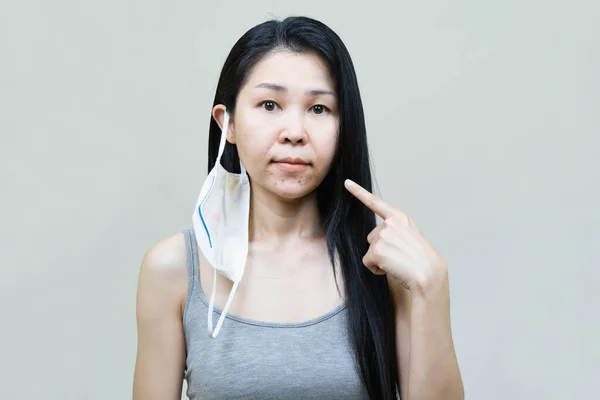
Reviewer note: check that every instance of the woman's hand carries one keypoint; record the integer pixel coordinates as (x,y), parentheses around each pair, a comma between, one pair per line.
(397,248)
(427,362)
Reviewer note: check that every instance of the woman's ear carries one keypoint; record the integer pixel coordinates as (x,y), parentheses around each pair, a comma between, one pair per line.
(218,114)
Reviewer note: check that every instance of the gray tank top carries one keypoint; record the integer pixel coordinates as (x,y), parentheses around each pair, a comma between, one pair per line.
(264,360)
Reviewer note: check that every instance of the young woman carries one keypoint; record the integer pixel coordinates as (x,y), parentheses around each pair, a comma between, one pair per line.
(331,305)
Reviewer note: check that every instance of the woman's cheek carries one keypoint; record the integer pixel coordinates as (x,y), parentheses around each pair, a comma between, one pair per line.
(327,148)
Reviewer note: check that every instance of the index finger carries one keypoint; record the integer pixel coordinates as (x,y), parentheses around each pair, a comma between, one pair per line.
(378,206)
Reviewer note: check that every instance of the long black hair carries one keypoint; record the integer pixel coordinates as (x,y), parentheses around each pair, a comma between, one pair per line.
(346,221)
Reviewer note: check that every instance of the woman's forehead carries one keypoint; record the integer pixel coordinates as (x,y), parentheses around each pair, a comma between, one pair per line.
(292,71)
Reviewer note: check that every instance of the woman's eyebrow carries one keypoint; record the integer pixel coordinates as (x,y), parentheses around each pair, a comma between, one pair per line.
(272,86)
(318,92)
(279,88)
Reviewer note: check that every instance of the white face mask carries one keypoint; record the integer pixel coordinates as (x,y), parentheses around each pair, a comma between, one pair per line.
(221,225)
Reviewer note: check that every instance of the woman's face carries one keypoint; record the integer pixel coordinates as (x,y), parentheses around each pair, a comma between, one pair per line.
(285,124)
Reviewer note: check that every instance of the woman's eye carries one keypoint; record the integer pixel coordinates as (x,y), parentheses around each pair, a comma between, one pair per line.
(319,109)
(269,105)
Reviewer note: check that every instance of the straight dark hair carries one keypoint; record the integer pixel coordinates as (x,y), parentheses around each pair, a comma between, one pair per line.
(346,221)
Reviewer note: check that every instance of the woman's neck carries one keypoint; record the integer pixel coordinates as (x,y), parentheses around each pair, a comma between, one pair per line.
(273,219)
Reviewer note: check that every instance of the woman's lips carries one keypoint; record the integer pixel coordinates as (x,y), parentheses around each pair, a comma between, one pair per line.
(292,164)
(291,167)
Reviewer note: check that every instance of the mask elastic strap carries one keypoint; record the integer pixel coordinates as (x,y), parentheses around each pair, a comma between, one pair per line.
(223,137)
(223,140)
(211,307)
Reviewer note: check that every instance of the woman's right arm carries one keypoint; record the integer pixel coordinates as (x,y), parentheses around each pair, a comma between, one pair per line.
(161,352)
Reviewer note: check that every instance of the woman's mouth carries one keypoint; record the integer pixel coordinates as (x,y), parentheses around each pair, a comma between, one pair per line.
(290,164)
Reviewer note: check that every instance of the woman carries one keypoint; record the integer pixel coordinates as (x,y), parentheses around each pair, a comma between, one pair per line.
(330,306)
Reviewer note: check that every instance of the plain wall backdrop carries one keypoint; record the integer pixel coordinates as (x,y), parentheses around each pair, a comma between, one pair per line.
(483,121)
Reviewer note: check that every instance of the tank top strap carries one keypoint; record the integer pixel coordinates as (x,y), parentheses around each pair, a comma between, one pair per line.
(192,263)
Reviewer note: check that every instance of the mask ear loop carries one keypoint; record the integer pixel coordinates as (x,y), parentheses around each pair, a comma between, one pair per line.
(224,131)
(211,305)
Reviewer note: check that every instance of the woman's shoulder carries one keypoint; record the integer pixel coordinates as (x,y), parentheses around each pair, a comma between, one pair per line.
(163,270)
(167,255)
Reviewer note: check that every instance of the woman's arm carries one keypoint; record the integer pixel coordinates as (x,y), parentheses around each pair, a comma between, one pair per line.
(162,287)
(427,361)
(418,280)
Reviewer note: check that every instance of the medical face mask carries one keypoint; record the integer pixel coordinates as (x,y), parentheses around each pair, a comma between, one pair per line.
(220,222)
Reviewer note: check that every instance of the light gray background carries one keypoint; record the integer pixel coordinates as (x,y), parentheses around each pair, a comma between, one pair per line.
(483,124)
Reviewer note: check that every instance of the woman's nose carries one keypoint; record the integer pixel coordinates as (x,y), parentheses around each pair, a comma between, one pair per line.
(293,131)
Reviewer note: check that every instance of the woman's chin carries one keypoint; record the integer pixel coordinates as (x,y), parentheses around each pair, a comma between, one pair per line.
(291,189)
